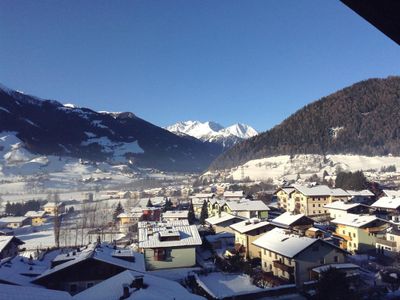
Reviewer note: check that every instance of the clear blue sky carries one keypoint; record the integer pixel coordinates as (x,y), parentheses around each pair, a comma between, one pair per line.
(230,61)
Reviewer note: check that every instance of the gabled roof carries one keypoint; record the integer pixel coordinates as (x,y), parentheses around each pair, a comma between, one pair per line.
(35,214)
(13,219)
(363,193)
(155,288)
(286,244)
(357,221)
(176,214)
(249,225)
(391,193)
(387,202)
(12,292)
(215,220)
(341,205)
(5,240)
(320,190)
(287,219)
(103,253)
(233,194)
(247,205)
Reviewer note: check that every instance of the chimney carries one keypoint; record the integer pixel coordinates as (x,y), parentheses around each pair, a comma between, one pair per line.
(137,282)
(125,291)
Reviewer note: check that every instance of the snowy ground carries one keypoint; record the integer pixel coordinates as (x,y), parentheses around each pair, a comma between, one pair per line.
(285,168)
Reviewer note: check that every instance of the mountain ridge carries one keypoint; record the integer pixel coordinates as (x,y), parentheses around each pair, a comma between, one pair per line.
(213,132)
(49,127)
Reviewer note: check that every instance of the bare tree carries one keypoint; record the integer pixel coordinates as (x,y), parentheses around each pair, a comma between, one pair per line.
(57,220)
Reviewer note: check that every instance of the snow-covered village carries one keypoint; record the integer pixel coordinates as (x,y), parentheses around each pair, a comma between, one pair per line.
(185,149)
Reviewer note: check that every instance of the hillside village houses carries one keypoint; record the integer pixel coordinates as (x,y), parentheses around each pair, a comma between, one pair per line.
(37,218)
(14,222)
(291,257)
(339,209)
(9,246)
(222,222)
(53,208)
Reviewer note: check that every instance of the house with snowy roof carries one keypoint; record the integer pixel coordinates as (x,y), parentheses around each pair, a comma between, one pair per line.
(387,204)
(290,257)
(127,220)
(283,195)
(233,195)
(310,201)
(295,222)
(13,292)
(82,268)
(222,222)
(338,209)
(175,215)
(9,246)
(358,233)
(389,243)
(14,222)
(363,196)
(168,244)
(214,206)
(246,232)
(37,218)
(137,286)
(246,208)
(53,208)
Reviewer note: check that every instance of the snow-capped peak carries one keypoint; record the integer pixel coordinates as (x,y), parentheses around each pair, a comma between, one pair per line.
(213,132)
(69,105)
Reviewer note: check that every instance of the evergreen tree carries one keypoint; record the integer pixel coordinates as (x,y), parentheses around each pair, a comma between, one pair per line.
(204,213)
(167,206)
(191,216)
(118,210)
(149,203)
(333,285)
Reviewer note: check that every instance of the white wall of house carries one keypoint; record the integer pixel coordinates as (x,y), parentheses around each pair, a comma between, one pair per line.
(177,258)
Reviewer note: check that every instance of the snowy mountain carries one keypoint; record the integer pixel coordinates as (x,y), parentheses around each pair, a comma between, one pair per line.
(48,128)
(213,132)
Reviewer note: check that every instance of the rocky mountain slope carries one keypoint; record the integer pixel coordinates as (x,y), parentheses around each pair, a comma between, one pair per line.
(47,127)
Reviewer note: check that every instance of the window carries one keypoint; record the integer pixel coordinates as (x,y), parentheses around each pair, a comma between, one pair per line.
(276,256)
(270,254)
(336,259)
(344,231)
(354,235)
(265,264)
(322,261)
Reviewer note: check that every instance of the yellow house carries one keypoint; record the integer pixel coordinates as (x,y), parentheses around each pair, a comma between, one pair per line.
(37,217)
(284,195)
(246,232)
(311,201)
(53,208)
(359,233)
(291,257)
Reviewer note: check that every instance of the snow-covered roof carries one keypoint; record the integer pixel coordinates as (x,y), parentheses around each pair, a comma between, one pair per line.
(363,193)
(391,193)
(5,240)
(286,244)
(341,205)
(222,285)
(249,225)
(104,252)
(247,205)
(320,190)
(203,195)
(344,266)
(220,219)
(288,190)
(13,292)
(353,220)
(13,219)
(151,234)
(180,214)
(233,194)
(53,204)
(156,288)
(387,202)
(35,214)
(287,219)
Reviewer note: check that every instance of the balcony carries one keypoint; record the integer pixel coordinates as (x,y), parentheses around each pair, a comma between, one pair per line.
(385,242)
(283,267)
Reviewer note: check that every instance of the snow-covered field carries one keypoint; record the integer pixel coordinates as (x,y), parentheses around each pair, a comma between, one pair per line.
(284,167)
